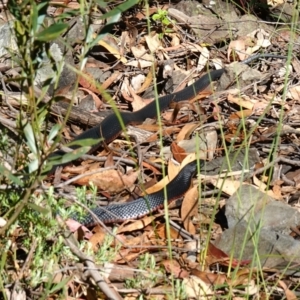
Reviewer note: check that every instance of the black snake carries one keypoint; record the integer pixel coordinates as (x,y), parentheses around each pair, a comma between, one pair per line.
(110,128)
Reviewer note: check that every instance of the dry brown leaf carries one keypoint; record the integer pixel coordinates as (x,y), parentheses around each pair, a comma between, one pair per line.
(143,59)
(202,62)
(197,288)
(130,226)
(149,127)
(210,278)
(215,255)
(112,50)
(175,39)
(109,160)
(173,267)
(239,49)
(86,80)
(132,250)
(111,181)
(241,275)
(81,231)
(296,65)
(251,288)
(264,188)
(173,170)
(294,93)
(151,168)
(137,102)
(290,295)
(64,91)
(178,153)
(228,186)
(153,42)
(110,80)
(240,101)
(186,131)
(127,255)
(158,186)
(135,241)
(98,102)
(147,82)
(166,132)
(211,142)
(161,232)
(97,238)
(262,40)
(260,108)
(277,190)
(294,175)
(189,208)
(137,81)
(241,114)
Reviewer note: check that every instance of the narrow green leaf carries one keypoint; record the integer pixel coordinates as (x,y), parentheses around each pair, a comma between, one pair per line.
(42,8)
(101,3)
(53,132)
(74,154)
(33,166)
(34,17)
(113,17)
(30,139)
(84,143)
(38,208)
(6,173)
(59,286)
(120,8)
(52,32)
(62,158)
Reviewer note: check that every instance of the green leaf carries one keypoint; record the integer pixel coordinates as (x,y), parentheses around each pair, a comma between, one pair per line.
(42,10)
(155,17)
(53,132)
(84,142)
(52,32)
(30,139)
(74,154)
(120,8)
(33,166)
(113,17)
(38,208)
(34,17)
(101,3)
(165,21)
(19,27)
(6,173)
(62,158)
(60,285)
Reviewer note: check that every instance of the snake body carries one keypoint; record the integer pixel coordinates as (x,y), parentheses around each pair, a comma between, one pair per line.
(111,127)
(142,206)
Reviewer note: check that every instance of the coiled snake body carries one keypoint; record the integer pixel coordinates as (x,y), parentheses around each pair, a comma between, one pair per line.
(110,128)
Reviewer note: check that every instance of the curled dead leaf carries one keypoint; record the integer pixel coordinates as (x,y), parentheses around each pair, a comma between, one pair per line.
(112,181)
(189,208)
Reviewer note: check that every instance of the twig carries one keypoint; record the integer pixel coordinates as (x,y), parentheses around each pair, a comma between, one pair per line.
(89,262)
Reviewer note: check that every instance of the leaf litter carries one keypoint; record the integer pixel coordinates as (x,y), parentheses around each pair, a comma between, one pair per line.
(251,114)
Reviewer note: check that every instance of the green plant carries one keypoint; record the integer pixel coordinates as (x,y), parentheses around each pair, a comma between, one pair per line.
(106,252)
(21,204)
(162,17)
(150,278)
